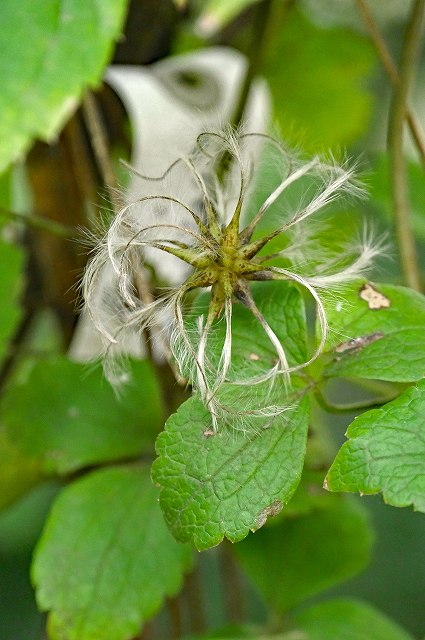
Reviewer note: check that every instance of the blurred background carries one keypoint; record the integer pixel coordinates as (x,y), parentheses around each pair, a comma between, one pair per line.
(312,71)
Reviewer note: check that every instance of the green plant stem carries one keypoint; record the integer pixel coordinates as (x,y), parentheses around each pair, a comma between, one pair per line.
(330,407)
(38,222)
(398,168)
(381,387)
(392,73)
(99,142)
(261,27)
(74,146)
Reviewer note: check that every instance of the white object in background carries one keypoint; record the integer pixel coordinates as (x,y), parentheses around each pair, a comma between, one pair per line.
(169,103)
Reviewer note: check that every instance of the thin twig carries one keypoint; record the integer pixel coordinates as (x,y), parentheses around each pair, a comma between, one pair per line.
(83,169)
(262,25)
(38,222)
(330,407)
(391,70)
(99,141)
(398,169)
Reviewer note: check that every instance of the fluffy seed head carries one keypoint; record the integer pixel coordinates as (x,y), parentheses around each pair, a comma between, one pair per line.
(224,254)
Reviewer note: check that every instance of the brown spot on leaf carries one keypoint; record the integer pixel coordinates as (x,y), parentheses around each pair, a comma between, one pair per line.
(356,344)
(272,510)
(375,300)
(254,356)
(208,433)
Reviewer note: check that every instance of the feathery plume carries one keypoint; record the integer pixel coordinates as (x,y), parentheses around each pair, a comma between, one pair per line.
(224,256)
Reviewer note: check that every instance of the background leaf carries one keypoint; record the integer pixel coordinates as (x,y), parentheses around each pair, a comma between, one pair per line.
(68,416)
(296,558)
(49,55)
(345,619)
(388,341)
(106,560)
(309,495)
(386,452)
(18,473)
(317,78)
(20,528)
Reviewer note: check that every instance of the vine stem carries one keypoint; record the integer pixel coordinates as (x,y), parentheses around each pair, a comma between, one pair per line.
(330,407)
(38,222)
(261,27)
(398,168)
(391,70)
(99,141)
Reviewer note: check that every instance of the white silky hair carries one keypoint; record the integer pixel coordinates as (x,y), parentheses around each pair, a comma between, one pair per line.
(368,248)
(163,222)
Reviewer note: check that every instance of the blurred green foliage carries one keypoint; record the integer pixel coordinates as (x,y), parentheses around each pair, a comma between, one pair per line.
(74,457)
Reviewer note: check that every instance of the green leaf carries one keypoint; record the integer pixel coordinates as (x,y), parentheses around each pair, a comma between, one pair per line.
(21,526)
(18,473)
(106,560)
(386,452)
(317,78)
(376,331)
(226,484)
(78,420)
(300,557)
(50,53)
(281,305)
(11,263)
(347,619)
